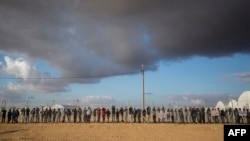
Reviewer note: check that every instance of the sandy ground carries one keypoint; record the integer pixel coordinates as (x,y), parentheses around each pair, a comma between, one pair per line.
(111,132)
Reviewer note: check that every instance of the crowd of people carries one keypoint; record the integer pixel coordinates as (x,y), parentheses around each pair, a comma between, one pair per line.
(126,115)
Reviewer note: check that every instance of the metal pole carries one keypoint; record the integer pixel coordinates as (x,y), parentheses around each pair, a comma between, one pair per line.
(77,100)
(142,67)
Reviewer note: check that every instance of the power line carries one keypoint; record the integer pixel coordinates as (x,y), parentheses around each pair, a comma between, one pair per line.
(76,77)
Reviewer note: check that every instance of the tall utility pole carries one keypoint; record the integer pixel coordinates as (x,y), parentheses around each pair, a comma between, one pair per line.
(142,70)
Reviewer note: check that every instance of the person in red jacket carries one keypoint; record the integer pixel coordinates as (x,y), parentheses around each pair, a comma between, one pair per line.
(103,114)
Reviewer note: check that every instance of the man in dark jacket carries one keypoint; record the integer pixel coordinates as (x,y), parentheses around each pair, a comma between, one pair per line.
(202,115)
(113,113)
(74,114)
(3,115)
(121,112)
(139,115)
(108,114)
(9,116)
(135,113)
(193,114)
(117,115)
(154,115)
(148,114)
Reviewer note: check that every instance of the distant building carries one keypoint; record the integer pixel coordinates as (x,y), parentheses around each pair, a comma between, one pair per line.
(221,105)
(244,100)
(232,104)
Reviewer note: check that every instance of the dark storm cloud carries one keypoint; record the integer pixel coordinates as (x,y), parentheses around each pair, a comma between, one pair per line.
(95,37)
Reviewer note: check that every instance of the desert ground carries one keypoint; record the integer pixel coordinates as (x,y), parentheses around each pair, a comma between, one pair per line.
(111,132)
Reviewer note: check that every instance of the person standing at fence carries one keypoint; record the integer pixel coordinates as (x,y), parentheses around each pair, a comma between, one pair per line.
(163,114)
(139,115)
(226,116)
(130,110)
(213,115)
(222,115)
(172,115)
(144,115)
(203,118)
(185,112)
(49,115)
(85,114)
(181,115)
(231,115)
(217,114)
(168,115)
(103,114)
(27,114)
(158,114)
(98,114)
(189,114)
(58,116)
(108,114)
(113,113)
(4,111)
(154,115)
(17,115)
(64,115)
(148,114)
(244,115)
(198,115)
(126,114)
(208,115)
(23,115)
(248,116)
(69,115)
(42,115)
(241,120)
(94,114)
(37,115)
(13,116)
(176,115)
(79,114)
(89,112)
(121,113)
(9,116)
(193,114)
(135,114)
(117,115)
(32,112)
(54,113)
(236,116)
(74,114)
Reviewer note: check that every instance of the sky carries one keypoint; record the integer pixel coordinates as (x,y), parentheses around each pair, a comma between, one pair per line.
(91,52)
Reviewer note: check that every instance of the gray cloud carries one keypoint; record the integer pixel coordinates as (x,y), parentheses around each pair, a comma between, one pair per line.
(242,76)
(198,99)
(11,97)
(92,37)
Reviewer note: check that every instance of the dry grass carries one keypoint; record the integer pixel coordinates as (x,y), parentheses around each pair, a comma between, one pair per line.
(111,132)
